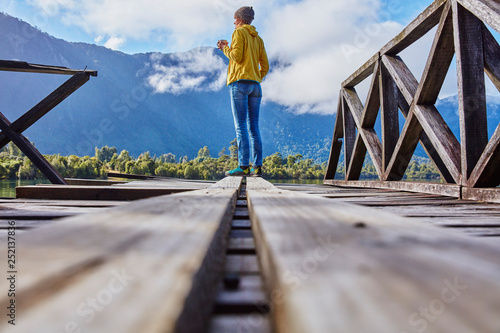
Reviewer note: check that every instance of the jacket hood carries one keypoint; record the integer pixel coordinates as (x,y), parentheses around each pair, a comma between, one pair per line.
(251,29)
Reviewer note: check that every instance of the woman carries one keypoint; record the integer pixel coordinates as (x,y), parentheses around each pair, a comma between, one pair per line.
(248,65)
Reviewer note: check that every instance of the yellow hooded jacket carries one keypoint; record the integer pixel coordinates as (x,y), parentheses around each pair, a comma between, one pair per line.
(245,54)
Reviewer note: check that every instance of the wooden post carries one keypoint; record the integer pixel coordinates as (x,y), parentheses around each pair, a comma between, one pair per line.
(349,134)
(471,87)
(389,112)
(336,148)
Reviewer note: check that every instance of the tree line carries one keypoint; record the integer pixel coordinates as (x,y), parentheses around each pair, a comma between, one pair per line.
(14,165)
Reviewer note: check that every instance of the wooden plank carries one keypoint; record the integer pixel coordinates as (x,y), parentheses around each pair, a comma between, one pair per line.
(427,20)
(448,211)
(442,138)
(240,323)
(333,160)
(364,194)
(439,61)
(26,203)
(249,297)
(362,73)
(451,190)
(93,182)
(486,10)
(30,151)
(243,264)
(372,105)
(422,203)
(491,57)
(357,159)
(129,176)
(452,222)
(336,147)
(81,192)
(373,270)
(23,224)
(21,66)
(481,194)
(159,260)
(468,30)
(389,115)
(349,133)
(47,104)
(241,244)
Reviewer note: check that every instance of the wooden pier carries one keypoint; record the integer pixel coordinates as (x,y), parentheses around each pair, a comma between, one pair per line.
(244,255)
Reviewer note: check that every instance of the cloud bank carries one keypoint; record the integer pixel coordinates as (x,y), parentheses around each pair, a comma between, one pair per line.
(197,70)
(316,44)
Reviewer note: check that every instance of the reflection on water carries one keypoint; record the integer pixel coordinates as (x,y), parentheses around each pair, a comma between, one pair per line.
(8,187)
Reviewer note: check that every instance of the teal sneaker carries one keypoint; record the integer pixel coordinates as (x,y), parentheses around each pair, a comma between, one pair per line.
(239,171)
(256,171)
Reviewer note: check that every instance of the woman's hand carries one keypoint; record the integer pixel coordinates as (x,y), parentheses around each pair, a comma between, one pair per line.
(222,43)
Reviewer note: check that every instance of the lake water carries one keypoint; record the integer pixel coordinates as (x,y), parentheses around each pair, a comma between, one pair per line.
(8,187)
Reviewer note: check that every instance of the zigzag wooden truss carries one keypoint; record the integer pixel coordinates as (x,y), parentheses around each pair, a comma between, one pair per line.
(472,162)
(13,131)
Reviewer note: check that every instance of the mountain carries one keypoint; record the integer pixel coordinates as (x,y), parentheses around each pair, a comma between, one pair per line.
(143,102)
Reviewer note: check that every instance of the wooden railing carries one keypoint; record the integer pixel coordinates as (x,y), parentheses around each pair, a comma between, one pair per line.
(471,163)
(13,131)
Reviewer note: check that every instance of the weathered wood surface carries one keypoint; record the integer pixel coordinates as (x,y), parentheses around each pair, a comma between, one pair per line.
(481,194)
(487,10)
(30,151)
(21,66)
(168,183)
(81,192)
(416,29)
(152,265)
(472,161)
(240,323)
(471,87)
(93,182)
(16,203)
(114,174)
(355,269)
(430,188)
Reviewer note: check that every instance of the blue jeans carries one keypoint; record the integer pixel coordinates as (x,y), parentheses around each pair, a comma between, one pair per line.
(245,102)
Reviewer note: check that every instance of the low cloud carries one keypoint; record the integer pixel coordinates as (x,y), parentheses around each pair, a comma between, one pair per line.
(197,70)
(114,43)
